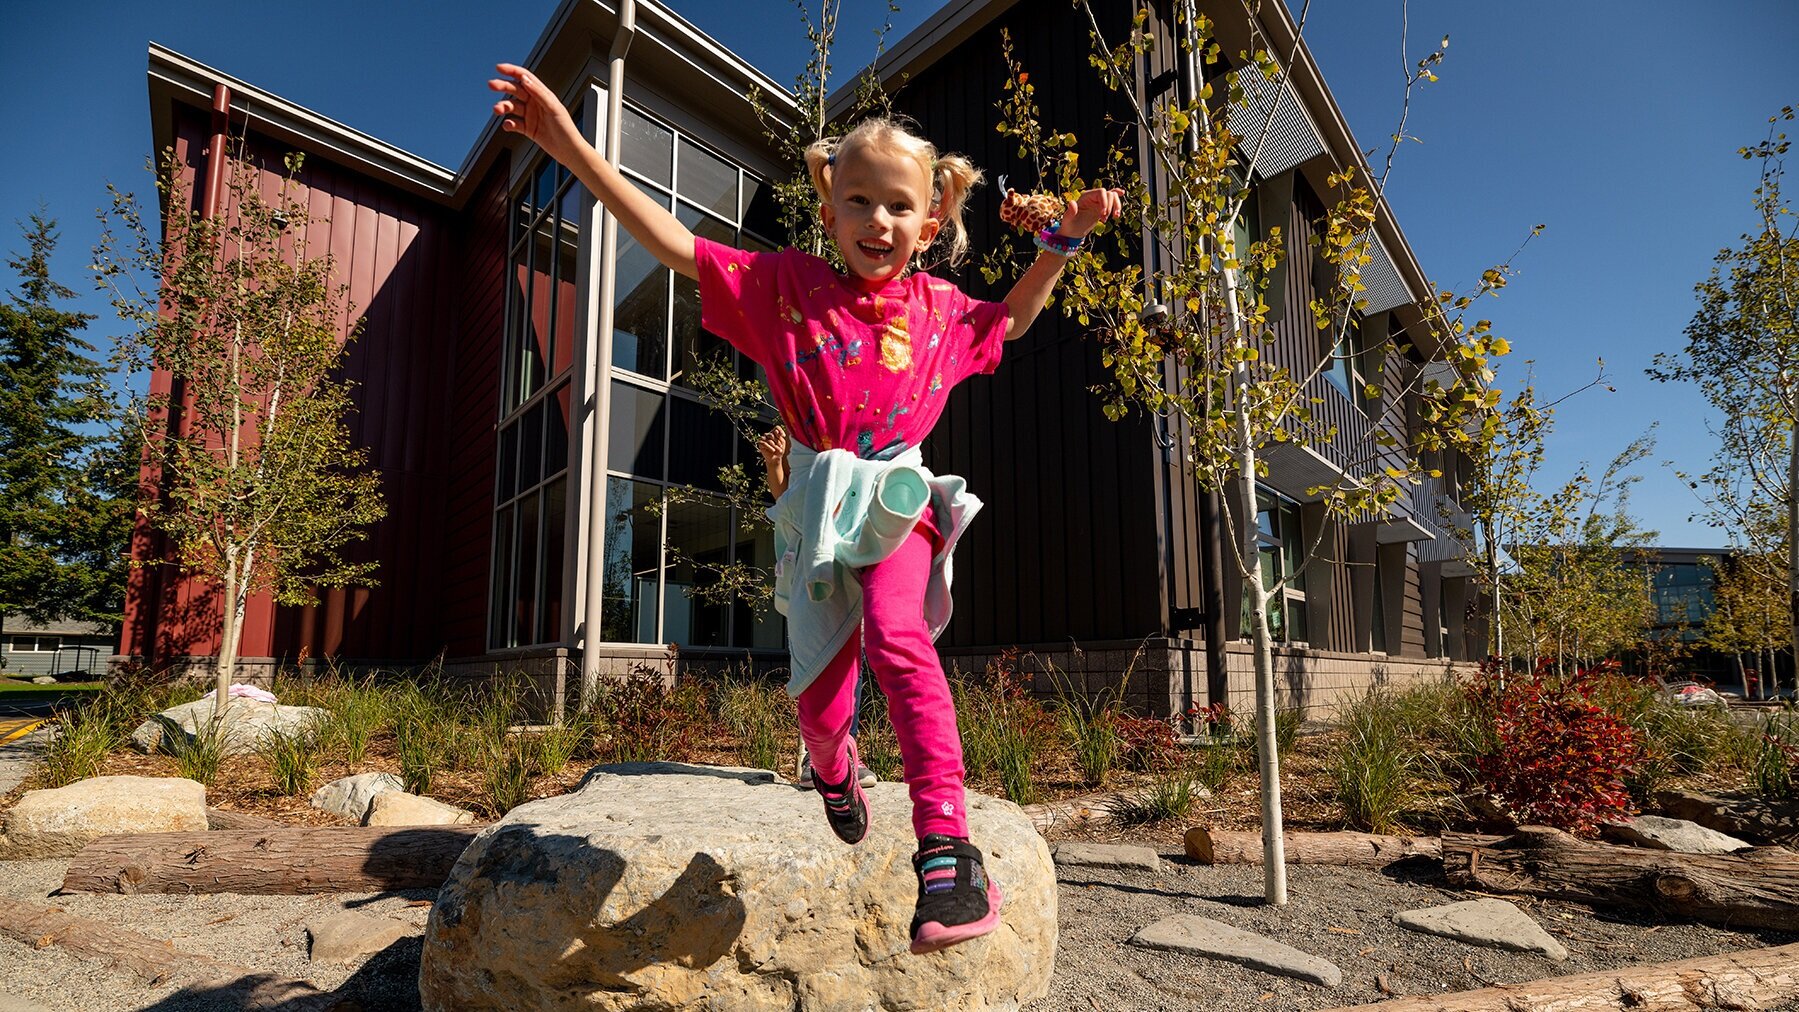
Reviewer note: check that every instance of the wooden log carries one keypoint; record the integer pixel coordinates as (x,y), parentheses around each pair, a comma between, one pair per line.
(1752,888)
(1750,979)
(153,960)
(1072,811)
(292,860)
(218,818)
(1753,820)
(1224,846)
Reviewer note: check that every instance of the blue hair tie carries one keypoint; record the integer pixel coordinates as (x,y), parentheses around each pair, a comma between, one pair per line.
(831,159)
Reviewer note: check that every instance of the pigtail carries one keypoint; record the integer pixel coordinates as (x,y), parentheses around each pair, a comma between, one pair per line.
(953,177)
(820,155)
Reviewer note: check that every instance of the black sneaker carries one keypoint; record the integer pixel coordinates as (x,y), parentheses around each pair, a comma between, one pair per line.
(957,900)
(846,807)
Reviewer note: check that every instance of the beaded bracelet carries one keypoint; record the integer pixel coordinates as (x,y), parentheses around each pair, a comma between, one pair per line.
(1050,241)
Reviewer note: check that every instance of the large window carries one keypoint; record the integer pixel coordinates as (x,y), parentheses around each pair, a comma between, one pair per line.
(1280,553)
(662,435)
(531,474)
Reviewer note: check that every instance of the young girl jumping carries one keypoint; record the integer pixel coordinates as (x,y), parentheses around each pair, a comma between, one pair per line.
(860,365)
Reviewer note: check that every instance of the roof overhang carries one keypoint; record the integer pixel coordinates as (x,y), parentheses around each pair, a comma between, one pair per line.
(670,55)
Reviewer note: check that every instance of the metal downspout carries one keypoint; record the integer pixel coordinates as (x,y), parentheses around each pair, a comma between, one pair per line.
(215,150)
(594,578)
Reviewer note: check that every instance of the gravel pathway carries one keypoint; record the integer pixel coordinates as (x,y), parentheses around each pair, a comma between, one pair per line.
(1344,915)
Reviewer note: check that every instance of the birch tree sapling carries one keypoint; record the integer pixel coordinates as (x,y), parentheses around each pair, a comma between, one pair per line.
(249,471)
(1183,325)
(1743,352)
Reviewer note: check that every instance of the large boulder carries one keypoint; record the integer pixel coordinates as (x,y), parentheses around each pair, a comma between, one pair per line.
(60,821)
(667,886)
(350,796)
(247,724)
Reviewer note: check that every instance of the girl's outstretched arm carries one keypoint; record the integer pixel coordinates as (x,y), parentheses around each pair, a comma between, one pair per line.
(1028,295)
(530,108)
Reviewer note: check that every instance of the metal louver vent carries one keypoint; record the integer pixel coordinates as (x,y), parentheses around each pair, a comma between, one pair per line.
(1385,289)
(1291,139)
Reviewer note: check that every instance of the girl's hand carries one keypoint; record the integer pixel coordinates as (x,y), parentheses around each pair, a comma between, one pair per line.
(532,109)
(1089,209)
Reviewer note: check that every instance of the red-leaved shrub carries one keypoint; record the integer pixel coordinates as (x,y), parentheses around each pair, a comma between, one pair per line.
(1148,745)
(1557,758)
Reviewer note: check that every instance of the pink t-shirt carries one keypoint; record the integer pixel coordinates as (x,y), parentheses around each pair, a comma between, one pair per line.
(850,365)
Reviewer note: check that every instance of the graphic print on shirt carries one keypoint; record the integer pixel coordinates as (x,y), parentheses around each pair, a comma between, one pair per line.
(896,346)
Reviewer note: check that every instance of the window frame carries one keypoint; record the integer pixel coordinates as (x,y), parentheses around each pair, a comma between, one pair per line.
(1283,540)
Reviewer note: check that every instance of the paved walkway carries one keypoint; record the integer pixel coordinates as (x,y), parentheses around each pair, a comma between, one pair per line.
(18,750)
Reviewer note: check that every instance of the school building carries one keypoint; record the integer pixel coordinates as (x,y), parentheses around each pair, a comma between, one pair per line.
(522,385)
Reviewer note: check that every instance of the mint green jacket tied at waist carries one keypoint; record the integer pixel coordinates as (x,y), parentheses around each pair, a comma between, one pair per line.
(839,514)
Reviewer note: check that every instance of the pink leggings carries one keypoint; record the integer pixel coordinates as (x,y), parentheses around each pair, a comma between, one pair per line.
(906,666)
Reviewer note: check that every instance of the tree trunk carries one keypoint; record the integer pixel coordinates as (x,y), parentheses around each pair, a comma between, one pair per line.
(227,659)
(1771,677)
(1755,820)
(1274,873)
(153,960)
(333,859)
(1368,850)
(1756,888)
(1750,979)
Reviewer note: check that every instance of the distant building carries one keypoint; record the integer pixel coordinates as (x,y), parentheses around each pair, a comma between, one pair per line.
(56,648)
(520,373)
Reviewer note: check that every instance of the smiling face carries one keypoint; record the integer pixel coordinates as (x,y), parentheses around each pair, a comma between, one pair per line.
(879,211)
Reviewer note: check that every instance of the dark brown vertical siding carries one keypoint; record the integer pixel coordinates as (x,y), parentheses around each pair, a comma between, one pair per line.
(1411,628)
(474,353)
(1065,548)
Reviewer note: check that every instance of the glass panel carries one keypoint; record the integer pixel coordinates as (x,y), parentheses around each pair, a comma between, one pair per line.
(699,444)
(693,344)
(1296,620)
(708,180)
(524,621)
(632,544)
(521,217)
(555,520)
(555,436)
(1292,552)
(768,632)
(508,485)
(562,337)
(530,447)
(544,186)
(500,587)
(699,540)
(640,321)
(635,437)
(517,300)
(761,211)
(539,319)
(648,147)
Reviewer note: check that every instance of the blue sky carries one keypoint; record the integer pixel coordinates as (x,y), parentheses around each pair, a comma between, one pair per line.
(1614,123)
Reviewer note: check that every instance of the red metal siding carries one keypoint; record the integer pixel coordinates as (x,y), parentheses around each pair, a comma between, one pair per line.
(395,253)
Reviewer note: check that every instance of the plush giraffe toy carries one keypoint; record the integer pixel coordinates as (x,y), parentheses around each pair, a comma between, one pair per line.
(1030,213)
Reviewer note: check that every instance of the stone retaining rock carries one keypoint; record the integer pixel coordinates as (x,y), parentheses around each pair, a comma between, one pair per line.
(1493,923)
(1073,854)
(247,723)
(1202,936)
(60,821)
(398,808)
(668,886)
(1658,832)
(350,797)
(345,935)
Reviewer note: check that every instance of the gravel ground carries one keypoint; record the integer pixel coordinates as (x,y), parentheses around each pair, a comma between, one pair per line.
(1343,915)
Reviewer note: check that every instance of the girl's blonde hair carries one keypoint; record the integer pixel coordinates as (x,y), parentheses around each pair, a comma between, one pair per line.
(952,176)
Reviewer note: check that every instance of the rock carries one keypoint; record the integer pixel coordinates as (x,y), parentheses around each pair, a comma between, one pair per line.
(350,796)
(1658,832)
(398,808)
(681,887)
(1493,923)
(44,680)
(247,723)
(1202,936)
(344,936)
(1105,855)
(60,821)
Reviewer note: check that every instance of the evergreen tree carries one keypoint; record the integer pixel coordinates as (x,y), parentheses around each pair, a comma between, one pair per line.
(65,505)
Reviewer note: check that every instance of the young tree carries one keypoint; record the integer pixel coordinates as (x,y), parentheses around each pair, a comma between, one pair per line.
(1751,613)
(64,517)
(1743,351)
(1185,339)
(249,469)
